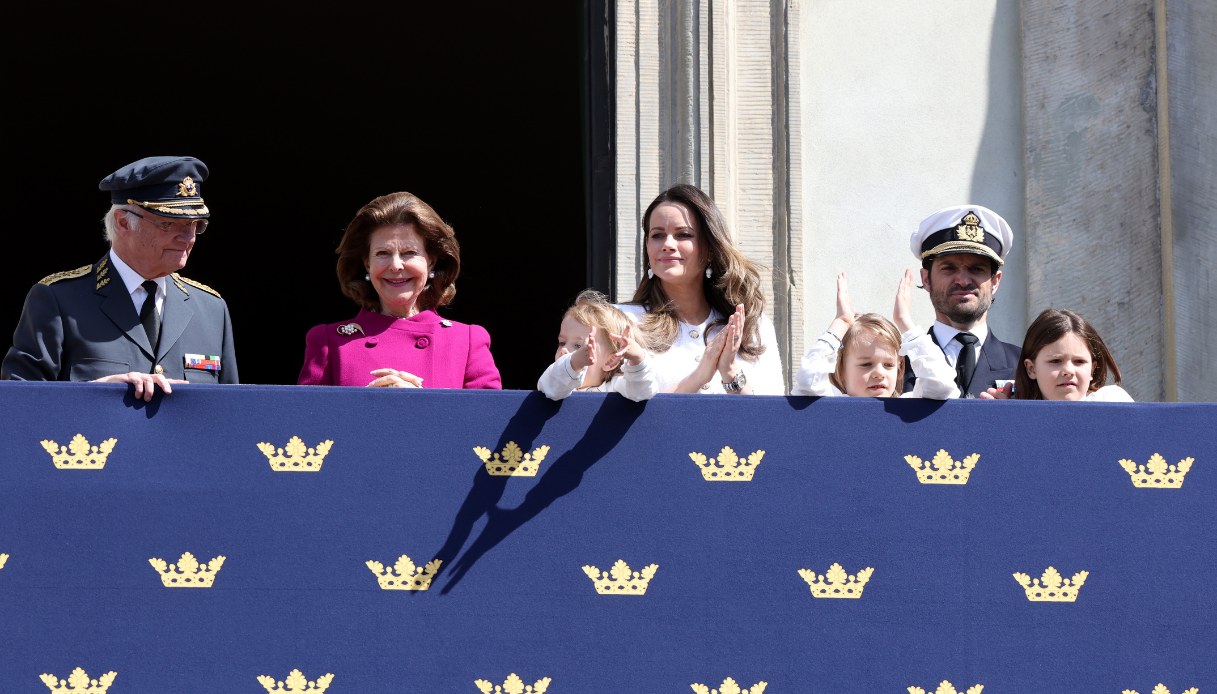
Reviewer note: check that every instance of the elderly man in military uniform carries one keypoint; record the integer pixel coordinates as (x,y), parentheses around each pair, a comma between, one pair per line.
(129,317)
(961,250)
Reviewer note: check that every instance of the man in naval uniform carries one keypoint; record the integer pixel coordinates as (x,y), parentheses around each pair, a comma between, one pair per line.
(961,250)
(129,317)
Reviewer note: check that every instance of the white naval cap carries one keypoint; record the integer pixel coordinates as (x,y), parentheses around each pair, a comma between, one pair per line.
(963,229)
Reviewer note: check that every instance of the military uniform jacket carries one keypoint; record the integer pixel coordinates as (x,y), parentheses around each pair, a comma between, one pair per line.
(81,325)
(997,362)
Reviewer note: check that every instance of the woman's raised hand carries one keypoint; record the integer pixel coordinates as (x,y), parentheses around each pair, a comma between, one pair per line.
(733,337)
(392,378)
(902,314)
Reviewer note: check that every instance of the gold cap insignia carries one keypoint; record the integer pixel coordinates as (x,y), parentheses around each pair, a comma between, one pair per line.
(78,454)
(1156,474)
(969,229)
(187,188)
(621,580)
(404,575)
(945,687)
(1050,587)
(295,682)
(513,685)
(835,583)
(513,462)
(1161,689)
(295,456)
(79,683)
(729,686)
(943,469)
(188,572)
(728,467)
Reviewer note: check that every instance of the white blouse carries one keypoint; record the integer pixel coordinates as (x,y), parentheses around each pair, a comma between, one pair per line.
(671,367)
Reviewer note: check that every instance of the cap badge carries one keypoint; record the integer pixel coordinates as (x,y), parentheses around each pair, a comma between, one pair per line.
(350,329)
(969,229)
(187,188)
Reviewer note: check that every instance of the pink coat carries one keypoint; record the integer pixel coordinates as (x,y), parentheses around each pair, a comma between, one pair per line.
(444,353)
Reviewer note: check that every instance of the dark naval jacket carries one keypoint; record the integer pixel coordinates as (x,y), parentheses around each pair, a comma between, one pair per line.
(997,362)
(81,325)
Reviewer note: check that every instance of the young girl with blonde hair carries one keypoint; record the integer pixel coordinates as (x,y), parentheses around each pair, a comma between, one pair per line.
(599,349)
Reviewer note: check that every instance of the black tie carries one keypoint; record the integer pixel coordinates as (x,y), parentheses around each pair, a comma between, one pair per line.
(147,315)
(965,365)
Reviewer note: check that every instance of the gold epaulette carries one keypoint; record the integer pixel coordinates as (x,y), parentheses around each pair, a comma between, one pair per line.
(67,275)
(200,285)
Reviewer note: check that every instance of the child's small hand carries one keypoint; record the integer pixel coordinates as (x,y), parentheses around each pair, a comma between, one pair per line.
(902,314)
(629,350)
(845,308)
(1006,392)
(586,355)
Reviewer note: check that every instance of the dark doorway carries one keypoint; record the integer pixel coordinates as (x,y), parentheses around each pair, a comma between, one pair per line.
(304,113)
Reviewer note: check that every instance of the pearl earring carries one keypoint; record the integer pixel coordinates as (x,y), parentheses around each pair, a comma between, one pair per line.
(650,274)
(709,274)
(432,274)
(366,277)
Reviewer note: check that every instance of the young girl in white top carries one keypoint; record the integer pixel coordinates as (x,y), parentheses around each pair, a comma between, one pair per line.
(598,350)
(1063,358)
(863,356)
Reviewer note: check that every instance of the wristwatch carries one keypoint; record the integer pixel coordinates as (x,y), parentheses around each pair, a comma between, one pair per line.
(737,385)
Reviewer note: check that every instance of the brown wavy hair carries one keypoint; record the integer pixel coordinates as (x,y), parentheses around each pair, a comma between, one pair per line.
(736,279)
(1049,326)
(875,325)
(391,210)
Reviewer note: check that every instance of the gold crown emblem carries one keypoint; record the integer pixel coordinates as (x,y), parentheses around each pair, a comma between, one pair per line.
(945,687)
(187,188)
(1050,587)
(728,467)
(295,456)
(78,454)
(835,583)
(969,229)
(729,686)
(79,683)
(3,559)
(621,580)
(513,685)
(295,682)
(1161,689)
(188,572)
(1156,474)
(513,462)
(943,469)
(404,575)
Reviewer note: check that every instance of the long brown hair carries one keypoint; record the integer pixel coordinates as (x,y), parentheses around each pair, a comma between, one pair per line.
(876,326)
(1049,326)
(736,280)
(391,210)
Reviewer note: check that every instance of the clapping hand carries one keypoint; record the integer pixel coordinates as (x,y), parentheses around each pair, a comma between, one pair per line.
(587,354)
(628,350)
(845,309)
(902,314)
(392,378)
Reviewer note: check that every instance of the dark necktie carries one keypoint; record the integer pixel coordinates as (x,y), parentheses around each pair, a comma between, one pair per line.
(147,315)
(965,365)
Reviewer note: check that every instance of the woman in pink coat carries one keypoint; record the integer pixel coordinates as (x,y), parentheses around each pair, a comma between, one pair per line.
(399,261)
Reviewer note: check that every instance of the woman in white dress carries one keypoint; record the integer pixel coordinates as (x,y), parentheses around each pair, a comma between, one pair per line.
(701,303)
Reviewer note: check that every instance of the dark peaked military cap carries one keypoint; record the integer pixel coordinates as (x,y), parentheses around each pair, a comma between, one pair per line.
(167,186)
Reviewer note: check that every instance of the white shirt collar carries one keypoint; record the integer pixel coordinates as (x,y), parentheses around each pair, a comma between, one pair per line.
(944,335)
(133,281)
